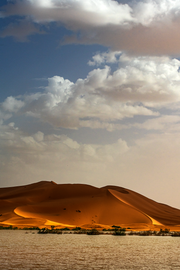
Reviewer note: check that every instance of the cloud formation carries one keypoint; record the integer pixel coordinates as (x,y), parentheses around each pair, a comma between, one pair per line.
(73,13)
(139,86)
(41,156)
(130,91)
(138,27)
(164,123)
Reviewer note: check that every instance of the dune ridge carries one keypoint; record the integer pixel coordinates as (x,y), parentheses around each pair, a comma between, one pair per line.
(70,205)
(154,222)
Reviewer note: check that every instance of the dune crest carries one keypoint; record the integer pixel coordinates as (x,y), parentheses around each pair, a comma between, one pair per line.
(116,193)
(70,205)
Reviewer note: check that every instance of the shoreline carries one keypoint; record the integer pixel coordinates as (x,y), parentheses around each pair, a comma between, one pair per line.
(116,231)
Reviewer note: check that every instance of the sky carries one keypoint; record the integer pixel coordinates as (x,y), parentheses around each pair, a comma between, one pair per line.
(90,93)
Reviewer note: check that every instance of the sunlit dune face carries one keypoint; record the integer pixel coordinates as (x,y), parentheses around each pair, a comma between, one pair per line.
(23,214)
(103,208)
(84,206)
(154,222)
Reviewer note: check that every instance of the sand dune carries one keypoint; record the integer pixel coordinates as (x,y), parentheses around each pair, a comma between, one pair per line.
(47,203)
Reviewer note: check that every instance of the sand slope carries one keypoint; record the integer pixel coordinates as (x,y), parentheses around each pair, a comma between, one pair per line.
(47,203)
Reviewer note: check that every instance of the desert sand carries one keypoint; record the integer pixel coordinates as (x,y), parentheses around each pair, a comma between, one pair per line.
(46,203)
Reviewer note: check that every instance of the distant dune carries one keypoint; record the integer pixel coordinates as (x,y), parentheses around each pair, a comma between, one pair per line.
(47,203)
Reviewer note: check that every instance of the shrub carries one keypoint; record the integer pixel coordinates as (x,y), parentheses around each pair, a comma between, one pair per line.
(93,232)
(77,229)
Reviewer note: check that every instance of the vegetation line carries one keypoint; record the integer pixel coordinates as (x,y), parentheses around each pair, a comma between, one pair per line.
(115,230)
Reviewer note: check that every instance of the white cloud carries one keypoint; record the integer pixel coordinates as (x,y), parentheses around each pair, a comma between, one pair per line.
(148,12)
(12,104)
(99,12)
(110,96)
(105,57)
(139,86)
(139,27)
(80,100)
(91,13)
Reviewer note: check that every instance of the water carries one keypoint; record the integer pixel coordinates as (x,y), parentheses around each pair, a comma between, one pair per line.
(20,251)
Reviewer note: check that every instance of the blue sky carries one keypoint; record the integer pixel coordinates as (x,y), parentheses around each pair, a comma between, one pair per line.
(38,58)
(89,93)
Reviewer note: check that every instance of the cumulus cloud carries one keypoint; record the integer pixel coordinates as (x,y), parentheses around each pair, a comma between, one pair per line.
(139,86)
(143,79)
(139,27)
(105,57)
(12,104)
(103,95)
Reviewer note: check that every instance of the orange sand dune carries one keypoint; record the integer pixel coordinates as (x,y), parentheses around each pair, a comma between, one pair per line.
(47,203)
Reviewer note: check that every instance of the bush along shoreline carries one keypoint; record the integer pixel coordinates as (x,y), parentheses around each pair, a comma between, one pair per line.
(115,230)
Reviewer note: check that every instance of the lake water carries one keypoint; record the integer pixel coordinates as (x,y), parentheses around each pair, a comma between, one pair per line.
(19,250)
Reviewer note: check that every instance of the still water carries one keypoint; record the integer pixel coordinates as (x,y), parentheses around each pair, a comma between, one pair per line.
(21,250)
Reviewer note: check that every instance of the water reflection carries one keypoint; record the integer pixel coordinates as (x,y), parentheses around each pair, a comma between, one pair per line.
(19,250)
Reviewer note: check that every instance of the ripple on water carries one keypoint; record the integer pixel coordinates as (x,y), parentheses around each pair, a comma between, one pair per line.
(83,252)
